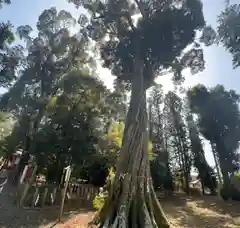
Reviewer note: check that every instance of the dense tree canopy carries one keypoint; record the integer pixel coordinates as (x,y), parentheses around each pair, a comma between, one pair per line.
(128,40)
(57,78)
(229,32)
(11,56)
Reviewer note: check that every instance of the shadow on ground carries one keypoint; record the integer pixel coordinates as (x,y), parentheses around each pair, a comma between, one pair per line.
(203,212)
(218,205)
(185,212)
(182,211)
(12,216)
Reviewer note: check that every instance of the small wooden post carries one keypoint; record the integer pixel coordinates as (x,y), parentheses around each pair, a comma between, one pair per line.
(28,185)
(22,177)
(78,191)
(54,193)
(64,190)
(35,197)
(71,190)
(44,196)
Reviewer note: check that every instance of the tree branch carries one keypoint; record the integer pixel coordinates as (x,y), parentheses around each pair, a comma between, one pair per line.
(141,10)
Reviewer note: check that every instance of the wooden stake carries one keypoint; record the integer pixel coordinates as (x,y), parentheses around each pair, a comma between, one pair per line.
(64,190)
(44,196)
(35,197)
(27,187)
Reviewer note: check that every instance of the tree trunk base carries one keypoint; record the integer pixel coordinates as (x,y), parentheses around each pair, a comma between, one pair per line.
(136,208)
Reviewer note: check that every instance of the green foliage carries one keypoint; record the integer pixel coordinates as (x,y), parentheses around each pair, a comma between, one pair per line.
(74,119)
(114,137)
(6,126)
(59,101)
(218,112)
(99,200)
(2,2)
(177,137)
(160,163)
(229,31)
(150,151)
(10,56)
(111,143)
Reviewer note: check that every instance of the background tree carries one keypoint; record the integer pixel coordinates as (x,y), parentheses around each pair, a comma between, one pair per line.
(51,56)
(228,31)
(160,165)
(136,53)
(73,119)
(2,2)
(11,56)
(118,102)
(111,142)
(218,119)
(178,138)
(206,173)
(60,103)
(11,60)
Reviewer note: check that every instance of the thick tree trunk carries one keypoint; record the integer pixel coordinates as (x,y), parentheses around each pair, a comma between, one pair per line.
(132,201)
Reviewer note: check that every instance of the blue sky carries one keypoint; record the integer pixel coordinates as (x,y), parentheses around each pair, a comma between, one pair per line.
(218,61)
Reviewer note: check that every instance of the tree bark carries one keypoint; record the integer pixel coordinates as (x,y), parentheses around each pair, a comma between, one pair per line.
(132,202)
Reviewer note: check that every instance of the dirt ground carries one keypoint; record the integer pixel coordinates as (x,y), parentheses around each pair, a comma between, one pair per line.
(182,212)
